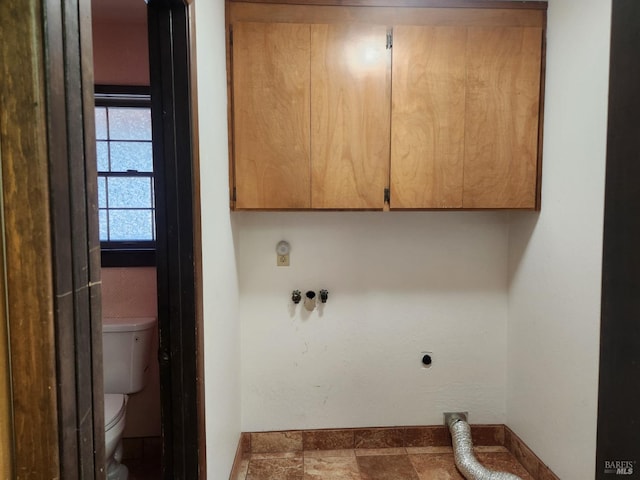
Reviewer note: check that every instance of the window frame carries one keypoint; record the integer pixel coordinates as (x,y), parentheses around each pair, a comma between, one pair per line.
(126,253)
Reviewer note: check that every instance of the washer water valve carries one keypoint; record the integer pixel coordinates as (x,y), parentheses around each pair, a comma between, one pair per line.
(324,296)
(296,296)
(310,298)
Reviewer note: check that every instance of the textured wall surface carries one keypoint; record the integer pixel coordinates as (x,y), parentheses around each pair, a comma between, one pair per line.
(400,283)
(220,284)
(555,258)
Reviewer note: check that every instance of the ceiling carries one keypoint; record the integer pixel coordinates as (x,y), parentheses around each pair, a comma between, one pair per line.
(129,11)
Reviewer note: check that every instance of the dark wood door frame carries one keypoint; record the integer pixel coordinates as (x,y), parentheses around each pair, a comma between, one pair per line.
(51,239)
(177,250)
(619,389)
(51,297)
(75,237)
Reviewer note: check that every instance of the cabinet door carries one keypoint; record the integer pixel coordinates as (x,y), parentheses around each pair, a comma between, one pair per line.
(350,102)
(271,98)
(428,117)
(501,137)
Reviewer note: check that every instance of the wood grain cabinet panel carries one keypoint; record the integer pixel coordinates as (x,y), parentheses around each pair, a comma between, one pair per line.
(465,117)
(502,104)
(327,116)
(428,117)
(350,101)
(271,97)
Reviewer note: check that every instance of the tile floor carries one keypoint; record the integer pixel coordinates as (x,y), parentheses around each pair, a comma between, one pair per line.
(143,458)
(144,469)
(404,463)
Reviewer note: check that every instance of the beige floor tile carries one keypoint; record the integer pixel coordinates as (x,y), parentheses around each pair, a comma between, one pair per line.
(331,468)
(269,442)
(386,467)
(379,452)
(241,474)
(268,456)
(329,453)
(276,469)
(488,449)
(328,439)
(435,466)
(423,450)
(504,462)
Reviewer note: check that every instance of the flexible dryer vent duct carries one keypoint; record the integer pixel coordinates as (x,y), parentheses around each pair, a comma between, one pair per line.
(463,452)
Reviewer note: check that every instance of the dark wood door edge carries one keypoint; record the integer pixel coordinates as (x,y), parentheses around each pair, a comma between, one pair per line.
(74,232)
(170,72)
(619,383)
(52,288)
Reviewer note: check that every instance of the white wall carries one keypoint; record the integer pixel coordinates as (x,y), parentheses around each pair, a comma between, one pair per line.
(399,283)
(555,259)
(220,286)
(402,283)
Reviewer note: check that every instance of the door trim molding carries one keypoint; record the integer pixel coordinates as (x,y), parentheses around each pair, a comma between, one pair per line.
(177,242)
(52,258)
(619,383)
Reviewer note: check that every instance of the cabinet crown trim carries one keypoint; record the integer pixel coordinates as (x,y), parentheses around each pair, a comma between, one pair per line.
(490,4)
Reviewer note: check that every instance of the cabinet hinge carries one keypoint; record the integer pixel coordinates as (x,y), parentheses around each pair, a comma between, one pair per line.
(233,194)
(387,195)
(230,35)
(389,39)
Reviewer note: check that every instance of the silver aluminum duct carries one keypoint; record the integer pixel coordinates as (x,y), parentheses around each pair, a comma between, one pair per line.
(463,452)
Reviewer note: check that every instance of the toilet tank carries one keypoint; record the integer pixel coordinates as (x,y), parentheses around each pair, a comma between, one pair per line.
(126,349)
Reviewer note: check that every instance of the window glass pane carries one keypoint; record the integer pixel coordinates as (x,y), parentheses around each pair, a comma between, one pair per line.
(101,123)
(131,156)
(129,192)
(104,231)
(129,123)
(125,200)
(130,225)
(102,149)
(102,192)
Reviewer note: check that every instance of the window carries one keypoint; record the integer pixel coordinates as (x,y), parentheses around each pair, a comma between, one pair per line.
(126,205)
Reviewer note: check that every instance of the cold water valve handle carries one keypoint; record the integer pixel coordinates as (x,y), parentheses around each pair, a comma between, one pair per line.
(296,296)
(324,296)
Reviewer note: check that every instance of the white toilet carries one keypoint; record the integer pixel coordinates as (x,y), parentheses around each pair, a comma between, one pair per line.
(126,345)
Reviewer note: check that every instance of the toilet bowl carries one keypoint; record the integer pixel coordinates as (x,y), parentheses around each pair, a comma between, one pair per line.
(115,408)
(126,345)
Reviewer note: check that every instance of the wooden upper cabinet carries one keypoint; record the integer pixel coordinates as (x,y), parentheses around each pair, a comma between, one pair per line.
(271,119)
(350,101)
(465,117)
(311,116)
(327,114)
(428,117)
(501,131)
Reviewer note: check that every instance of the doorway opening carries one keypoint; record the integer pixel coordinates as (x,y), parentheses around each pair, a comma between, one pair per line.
(142,48)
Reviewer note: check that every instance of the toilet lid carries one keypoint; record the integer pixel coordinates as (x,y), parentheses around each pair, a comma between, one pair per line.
(114,409)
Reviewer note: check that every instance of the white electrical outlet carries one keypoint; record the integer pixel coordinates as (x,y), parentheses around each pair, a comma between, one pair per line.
(282,250)
(283,260)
